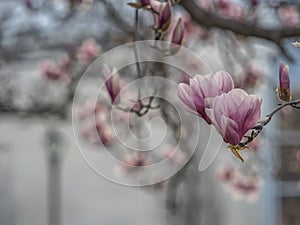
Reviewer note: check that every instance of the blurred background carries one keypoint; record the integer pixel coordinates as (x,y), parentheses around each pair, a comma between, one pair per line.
(45,48)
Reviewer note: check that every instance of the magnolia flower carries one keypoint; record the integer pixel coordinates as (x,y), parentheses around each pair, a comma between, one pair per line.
(185,78)
(112,83)
(211,85)
(234,114)
(88,51)
(283,90)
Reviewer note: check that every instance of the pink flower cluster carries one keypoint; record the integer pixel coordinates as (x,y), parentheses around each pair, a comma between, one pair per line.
(88,51)
(231,110)
(226,8)
(165,26)
(60,71)
(238,185)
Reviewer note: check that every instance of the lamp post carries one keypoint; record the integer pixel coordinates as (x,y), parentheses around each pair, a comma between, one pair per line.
(53,142)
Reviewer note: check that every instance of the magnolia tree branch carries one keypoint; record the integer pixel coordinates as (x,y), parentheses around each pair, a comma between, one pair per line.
(259,127)
(209,20)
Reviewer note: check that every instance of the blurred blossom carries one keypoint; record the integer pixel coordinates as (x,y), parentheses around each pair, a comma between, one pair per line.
(240,186)
(105,133)
(250,77)
(225,173)
(207,5)
(247,188)
(137,160)
(223,4)
(28,4)
(202,87)
(112,83)
(173,154)
(230,9)
(95,122)
(88,51)
(234,114)
(283,90)
(51,71)
(90,109)
(289,15)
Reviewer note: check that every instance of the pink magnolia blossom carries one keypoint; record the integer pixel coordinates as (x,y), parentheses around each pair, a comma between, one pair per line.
(88,51)
(283,90)
(185,78)
(234,114)
(211,85)
(112,83)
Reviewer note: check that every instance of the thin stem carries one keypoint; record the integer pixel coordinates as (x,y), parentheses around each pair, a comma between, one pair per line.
(143,107)
(292,103)
(138,67)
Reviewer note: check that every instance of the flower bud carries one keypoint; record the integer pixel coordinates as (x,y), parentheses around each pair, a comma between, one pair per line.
(165,17)
(283,90)
(156,5)
(112,84)
(145,2)
(177,37)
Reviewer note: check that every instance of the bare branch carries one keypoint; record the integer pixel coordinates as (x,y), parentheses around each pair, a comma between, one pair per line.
(210,20)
